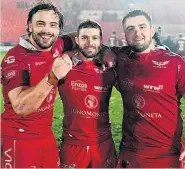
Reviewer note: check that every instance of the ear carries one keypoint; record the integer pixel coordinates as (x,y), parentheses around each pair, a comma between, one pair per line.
(30,27)
(152,31)
(76,40)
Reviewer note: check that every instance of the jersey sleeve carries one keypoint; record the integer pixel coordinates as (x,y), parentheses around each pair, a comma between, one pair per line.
(15,73)
(181,76)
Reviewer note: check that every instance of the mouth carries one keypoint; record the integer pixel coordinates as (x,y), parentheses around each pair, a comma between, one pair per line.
(46,37)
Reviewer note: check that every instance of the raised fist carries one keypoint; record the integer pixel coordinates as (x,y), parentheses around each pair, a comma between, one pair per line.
(61,66)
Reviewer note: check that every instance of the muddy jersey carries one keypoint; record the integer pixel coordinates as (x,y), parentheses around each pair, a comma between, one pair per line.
(23,65)
(85,95)
(151,86)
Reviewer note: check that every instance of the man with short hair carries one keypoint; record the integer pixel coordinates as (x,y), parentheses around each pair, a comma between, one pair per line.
(87,139)
(151,82)
(30,72)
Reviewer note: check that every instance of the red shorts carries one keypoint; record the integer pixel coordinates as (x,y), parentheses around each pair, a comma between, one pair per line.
(132,160)
(40,153)
(101,155)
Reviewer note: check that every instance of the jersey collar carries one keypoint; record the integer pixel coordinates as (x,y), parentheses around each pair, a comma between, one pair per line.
(24,42)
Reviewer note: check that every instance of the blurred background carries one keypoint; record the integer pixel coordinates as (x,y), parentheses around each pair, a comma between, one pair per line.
(168,18)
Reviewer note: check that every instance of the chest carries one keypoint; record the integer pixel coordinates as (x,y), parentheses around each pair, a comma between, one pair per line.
(149,76)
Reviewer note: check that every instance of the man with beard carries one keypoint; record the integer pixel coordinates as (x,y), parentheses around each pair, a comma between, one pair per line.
(87,140)
(151,82)
(30,72)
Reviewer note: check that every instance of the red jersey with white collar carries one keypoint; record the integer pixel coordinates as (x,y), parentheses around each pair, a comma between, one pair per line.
(151,86)
(24,65)
(85,95)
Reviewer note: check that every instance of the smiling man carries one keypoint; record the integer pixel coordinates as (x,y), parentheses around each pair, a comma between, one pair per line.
(151,82)
(87,139)
(30,72)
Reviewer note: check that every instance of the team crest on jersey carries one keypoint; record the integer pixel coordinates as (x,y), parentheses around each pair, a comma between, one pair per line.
(159,64)
(138,101)
(91,101)
(98,70)
(56,54)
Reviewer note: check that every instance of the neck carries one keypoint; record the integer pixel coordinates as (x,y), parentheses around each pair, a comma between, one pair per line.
(82,57)
(151,47)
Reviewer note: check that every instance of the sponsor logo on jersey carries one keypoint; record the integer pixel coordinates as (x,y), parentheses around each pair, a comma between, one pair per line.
(151,115)
(88,114)
(127,83)
(102,88)
(78,85)
(10,59)
(152,88)
(39,63)
(10,74)
(138,101)
(8,159)
(91,101)
(56,54)
(45,108)
(159,64)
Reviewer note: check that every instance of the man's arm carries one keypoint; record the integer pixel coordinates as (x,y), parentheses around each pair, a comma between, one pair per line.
(27,100)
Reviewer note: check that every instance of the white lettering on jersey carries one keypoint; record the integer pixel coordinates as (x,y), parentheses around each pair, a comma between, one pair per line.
(39,63)
(159,64)
(91,101)
(87,113)
(10,74)
(78,85)
(8,158)
(153,88)
(10,59)
(101,88)
(150,115)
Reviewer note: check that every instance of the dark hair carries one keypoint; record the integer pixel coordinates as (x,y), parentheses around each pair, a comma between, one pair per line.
(89,24)
(135,13)
(41,7)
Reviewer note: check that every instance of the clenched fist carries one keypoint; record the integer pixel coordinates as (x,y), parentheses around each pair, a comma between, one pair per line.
(61,66)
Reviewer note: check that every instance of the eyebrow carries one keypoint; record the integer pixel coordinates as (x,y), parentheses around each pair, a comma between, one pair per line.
(132,26)
(40,21)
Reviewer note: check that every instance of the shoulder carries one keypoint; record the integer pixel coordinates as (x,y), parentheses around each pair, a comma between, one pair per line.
(14,57)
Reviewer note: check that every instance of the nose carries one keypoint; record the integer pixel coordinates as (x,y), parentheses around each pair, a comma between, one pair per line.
(137,31)
(47,29)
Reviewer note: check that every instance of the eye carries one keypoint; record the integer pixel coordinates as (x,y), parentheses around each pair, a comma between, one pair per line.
(130,28)
(54,25)
(143,27)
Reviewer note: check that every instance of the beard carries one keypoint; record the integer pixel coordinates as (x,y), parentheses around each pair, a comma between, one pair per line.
(88,54)
(43,44)
(140,47)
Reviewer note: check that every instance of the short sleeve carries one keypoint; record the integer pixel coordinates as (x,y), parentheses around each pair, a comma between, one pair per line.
(15,73)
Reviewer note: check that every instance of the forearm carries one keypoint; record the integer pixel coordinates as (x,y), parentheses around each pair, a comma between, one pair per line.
(29,100)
